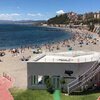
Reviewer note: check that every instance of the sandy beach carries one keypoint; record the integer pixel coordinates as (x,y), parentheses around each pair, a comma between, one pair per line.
(12,64)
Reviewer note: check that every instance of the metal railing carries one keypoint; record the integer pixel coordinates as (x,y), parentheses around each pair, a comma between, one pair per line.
(84,73)
(68,60)
(83,78)
(83,81)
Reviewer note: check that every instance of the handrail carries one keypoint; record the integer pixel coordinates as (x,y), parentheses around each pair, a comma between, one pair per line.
(82,82)
(76,81)
(84,73)
(85,77)
(80,77)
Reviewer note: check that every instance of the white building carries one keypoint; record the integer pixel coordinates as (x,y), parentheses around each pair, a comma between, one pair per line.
(76,68)
(97,15)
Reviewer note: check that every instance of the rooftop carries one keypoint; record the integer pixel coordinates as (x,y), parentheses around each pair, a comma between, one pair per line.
(66,57)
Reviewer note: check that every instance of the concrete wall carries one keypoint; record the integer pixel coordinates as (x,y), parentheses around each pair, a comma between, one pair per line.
(38,68)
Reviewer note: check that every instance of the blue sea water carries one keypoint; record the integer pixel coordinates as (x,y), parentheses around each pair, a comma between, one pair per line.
(12,36)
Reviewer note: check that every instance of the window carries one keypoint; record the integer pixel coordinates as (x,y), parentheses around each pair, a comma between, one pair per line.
(40,79)
(33,80)
(54,81)
(57,82)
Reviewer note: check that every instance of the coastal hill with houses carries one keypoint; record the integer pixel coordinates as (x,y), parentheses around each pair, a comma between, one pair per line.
(89,21)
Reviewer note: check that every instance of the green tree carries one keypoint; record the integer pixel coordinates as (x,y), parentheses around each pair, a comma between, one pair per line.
(49,85)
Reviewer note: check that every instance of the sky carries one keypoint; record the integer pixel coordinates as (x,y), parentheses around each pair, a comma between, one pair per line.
(44,9)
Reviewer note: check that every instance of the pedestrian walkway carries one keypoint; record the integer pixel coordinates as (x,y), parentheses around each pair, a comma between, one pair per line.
(6,82)
(56,95)
(98,98)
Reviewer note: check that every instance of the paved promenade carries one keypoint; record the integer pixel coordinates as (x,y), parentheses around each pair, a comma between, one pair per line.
(6,82)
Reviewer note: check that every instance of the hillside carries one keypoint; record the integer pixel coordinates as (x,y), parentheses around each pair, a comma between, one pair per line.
(59,19)
(76,19)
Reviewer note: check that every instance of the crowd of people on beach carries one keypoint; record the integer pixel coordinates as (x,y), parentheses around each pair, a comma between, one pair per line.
(79,37)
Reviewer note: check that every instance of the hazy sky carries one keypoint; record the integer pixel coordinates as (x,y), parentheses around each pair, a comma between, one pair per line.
(43,9)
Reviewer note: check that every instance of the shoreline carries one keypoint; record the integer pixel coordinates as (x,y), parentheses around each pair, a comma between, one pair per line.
(71,31)
(40,44)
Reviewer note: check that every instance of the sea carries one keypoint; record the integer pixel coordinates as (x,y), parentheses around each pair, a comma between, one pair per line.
(17,35)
